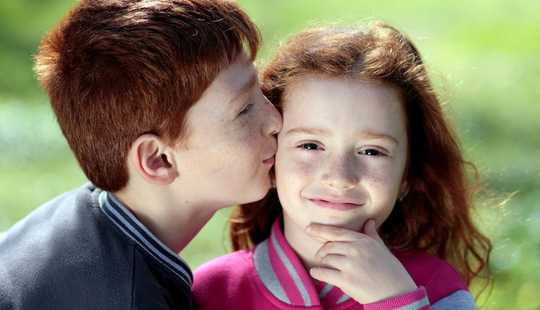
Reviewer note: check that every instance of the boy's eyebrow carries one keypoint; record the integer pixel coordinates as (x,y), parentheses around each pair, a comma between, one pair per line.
(245,87)
(321,131)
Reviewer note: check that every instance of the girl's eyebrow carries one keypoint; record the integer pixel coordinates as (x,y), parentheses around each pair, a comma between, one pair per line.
(370,134)
(308,130)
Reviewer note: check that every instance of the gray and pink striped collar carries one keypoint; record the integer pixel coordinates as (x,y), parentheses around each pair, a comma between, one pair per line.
(283,274)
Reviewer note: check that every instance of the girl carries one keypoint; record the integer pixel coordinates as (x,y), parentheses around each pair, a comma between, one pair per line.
(374,206)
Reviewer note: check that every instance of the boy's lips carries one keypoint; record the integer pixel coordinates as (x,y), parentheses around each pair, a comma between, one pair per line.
(269,161)
(336,203)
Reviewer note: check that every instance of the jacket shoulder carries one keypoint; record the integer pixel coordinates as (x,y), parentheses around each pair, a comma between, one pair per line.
(222,279)
(438,277)
(224,269)
(63,254)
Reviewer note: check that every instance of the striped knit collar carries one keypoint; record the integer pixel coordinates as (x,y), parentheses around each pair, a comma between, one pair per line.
(126,221)
(283,274)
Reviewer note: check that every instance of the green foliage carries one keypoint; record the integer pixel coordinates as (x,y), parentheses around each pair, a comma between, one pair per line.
(482,56)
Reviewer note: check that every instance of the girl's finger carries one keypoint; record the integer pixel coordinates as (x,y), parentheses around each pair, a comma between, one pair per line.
(335,247)
(335,261)
(332,233)
(327,275)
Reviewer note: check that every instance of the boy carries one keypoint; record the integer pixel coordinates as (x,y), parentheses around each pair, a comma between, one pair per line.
(160,104)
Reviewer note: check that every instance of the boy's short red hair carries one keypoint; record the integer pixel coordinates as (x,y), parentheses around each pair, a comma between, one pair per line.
(116,69)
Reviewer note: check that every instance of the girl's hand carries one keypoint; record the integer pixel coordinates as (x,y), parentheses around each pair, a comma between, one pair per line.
(359,264)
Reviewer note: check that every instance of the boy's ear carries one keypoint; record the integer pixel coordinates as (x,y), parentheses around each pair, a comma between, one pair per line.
(153,160)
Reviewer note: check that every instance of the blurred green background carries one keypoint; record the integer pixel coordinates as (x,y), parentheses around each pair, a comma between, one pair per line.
(483,57)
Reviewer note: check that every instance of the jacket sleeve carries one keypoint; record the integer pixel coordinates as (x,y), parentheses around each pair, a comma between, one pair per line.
(415,300)
(461,299)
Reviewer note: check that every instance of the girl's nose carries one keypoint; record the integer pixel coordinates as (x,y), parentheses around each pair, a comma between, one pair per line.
(340,173)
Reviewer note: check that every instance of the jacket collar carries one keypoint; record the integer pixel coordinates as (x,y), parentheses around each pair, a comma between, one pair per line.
(129,225)
(283,274)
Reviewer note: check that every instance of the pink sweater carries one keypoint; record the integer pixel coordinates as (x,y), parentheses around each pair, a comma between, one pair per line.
(272,277)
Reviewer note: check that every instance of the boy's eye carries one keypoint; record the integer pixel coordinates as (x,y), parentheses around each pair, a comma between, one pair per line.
(246,109)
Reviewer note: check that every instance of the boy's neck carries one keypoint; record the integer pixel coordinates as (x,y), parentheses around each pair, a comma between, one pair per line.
(173,223)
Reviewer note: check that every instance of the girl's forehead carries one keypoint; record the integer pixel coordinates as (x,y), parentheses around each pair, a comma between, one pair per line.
(344,105)
(327,85)
(337,95)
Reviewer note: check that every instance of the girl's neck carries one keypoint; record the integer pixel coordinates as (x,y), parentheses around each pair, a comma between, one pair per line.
(304,245)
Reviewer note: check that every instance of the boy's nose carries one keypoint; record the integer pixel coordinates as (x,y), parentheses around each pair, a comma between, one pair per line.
(273,119)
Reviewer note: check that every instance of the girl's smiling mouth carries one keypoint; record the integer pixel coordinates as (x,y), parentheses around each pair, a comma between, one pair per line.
(335,203)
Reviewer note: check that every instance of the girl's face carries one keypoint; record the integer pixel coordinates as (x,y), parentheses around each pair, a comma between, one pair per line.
(341,153)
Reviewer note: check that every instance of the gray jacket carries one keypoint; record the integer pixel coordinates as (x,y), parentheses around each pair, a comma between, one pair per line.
(67,254)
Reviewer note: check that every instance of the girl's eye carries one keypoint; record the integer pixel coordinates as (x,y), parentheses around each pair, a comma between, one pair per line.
(371,152)
(309,146)
(246,109)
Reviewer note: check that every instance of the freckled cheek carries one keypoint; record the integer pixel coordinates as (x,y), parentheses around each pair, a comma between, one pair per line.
(382,186)
(294,166)
(246,142)
(292,177)
(254,142)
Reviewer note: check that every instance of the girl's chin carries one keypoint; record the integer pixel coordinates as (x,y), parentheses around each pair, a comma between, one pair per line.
(351,224)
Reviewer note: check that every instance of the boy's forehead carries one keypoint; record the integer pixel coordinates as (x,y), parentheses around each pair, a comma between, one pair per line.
(235,78)
(234,81)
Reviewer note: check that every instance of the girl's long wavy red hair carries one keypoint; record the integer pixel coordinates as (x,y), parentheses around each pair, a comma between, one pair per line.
(435,216)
